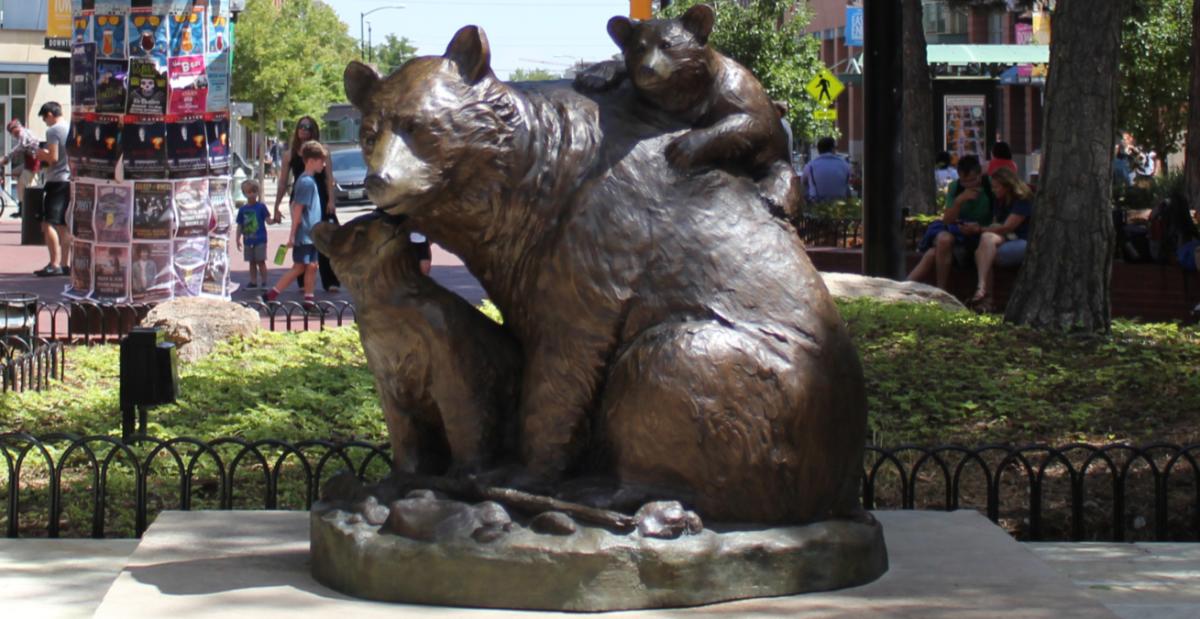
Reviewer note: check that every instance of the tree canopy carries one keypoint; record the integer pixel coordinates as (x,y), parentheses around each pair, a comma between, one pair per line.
(393,52)
(1152,101)
(767,37)
(533,75)
(289,60)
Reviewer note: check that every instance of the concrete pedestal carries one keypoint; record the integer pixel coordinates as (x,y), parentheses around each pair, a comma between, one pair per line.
(256,564)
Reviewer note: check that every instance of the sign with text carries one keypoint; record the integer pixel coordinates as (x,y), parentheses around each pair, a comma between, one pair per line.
(854,26)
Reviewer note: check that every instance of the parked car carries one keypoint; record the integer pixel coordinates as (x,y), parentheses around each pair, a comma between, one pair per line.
(349,176)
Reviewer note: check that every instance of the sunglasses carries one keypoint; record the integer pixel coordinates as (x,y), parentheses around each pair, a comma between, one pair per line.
(142,20)
(306,126)
(107,20)
(191,18)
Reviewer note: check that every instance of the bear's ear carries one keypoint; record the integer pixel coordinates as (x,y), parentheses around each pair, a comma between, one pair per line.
(469,50)
(358,80)
(620,29)
(698,20)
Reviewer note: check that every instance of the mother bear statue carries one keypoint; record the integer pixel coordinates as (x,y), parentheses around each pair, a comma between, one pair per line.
(674,334)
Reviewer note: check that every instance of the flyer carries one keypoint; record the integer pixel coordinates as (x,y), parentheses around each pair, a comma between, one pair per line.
(144,146)
(188,85)
(101,146)
(219,202)
(147,88)
(83,75)
(109,35)
(191,258)
(82,209)
(192,212)
(187,32)
(80,126)
(113,206)
(218,144)
(148,37)
(112,272)
(153,217)
(81,269)
(81,29)
(111,84)
(216,271)
(151,276)
(187,153)
(218,82)
(218,31)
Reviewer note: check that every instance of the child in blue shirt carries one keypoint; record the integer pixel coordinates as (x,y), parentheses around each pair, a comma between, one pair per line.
(306,213)
(252,233)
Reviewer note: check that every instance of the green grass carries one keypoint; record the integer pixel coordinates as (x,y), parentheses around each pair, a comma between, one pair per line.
(933,376)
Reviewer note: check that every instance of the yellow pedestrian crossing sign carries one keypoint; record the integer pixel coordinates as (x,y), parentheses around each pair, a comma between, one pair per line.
(825,87)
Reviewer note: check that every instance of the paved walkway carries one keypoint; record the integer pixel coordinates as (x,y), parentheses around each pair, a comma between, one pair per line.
(18,262)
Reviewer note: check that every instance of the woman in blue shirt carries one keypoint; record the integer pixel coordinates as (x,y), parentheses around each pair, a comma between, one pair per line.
(1002,243)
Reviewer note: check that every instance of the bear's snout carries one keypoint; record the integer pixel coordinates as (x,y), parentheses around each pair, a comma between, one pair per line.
(377,184)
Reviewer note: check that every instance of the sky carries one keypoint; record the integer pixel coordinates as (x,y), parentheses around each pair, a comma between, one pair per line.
(523,34)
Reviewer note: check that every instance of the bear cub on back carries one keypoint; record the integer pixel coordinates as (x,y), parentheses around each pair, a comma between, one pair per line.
(447,375)
(737,126)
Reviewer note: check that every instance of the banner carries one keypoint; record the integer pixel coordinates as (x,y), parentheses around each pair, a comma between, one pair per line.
(108,33)
(187,32)
(148,37)
(153,217)
(81,29)
(112,272)
(218,33)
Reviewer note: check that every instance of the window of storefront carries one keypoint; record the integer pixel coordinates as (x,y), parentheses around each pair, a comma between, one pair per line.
(943,23)
(13,104)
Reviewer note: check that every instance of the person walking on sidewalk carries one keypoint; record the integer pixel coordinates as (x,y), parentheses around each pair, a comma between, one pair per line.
(306,213)
(57,192)
(26,148)
(291,168)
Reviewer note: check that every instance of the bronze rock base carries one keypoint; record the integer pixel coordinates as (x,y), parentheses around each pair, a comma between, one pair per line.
(591,569)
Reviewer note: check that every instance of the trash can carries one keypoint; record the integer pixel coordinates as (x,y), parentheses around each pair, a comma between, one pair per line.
(31,216)
(18,314)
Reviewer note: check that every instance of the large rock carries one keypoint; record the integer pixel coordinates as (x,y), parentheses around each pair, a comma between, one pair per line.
(196,324)
(850,286)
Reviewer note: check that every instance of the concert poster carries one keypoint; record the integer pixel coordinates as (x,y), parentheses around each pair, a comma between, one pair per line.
(111,86)
(81,269)
(113,206)
(148,37)
(187,32)
(144,145)
(83,208)
(108,32)
(218,82)
(83,75)
(216,270)
(187,152)
(80,127)
(192,212)
(101,145)
(188,85)
(191,260)
(218,201)
(218,32)
(152,274)
(147,88)
(153,217)
(112,272)
(218,145)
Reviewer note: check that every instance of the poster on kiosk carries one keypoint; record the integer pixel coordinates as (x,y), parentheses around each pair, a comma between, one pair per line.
(150,203)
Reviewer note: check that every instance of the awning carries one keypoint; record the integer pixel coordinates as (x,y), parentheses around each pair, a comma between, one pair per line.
(987,54)
(24,67)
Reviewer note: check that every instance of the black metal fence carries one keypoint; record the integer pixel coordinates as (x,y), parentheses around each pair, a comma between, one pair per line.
(66,485)
(87,322)
(30,363)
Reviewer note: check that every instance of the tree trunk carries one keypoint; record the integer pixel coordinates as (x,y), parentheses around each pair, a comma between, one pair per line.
(1065,280)
(1192,160)
(917,182)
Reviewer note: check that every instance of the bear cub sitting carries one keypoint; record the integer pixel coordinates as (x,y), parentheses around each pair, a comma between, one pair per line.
(446,374)
(737,126)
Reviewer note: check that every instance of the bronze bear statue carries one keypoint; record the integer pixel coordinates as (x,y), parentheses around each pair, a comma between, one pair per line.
(674,334)
(447,375)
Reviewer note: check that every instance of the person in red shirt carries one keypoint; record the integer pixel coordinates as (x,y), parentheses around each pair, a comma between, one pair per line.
(1001,158)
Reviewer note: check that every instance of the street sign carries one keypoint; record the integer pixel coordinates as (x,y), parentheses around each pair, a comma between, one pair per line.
(825,87)
(854,26)
(830,114)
